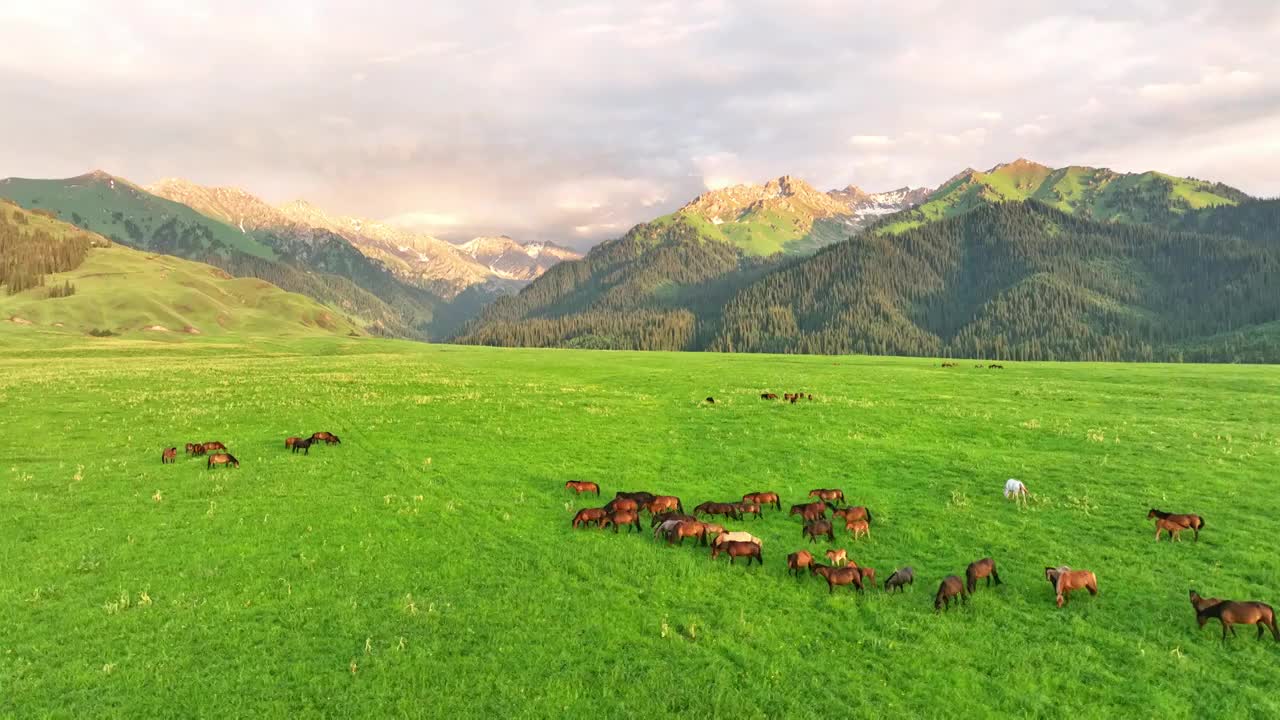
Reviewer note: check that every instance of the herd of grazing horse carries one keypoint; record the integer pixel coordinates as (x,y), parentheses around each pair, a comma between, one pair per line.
(670,523)
(218,456)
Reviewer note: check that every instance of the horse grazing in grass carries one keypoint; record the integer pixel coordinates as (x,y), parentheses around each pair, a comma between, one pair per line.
(768,396)
(859,528)
(978,569)
(582,486)
(688,528)
(168,456)
(621,517)
(641,498)
(1230,613)
(214,445)
(289,441)
(798,561)
(951,587)
(857,512)
(735,550)
(1068,581)
(809,512)
(195,448)
(817,529)
(838,576)
(749,508)
(664,503)
(586,516)
(1185,522)
(1174,529)
(900,577)
(662,528)
(618,503)
(765,499)
(868,573)
(1200,603)
(716,528)
(718,508)
(737,536)
(303,445)
(328,438)
(838,558)
(828,494)
(222,459)
(660,518)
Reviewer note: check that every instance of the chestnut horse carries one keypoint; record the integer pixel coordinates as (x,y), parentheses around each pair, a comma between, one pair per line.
(718,508)
(618,503)
(195,448)
(838,576)
(215,445)
(857,512)
(1230,612)
(640,497)
(764,498)
(735,550)
(587,516)
(621,517)
(809,512)
(900,577)
(858,528)
(328,438)
(170,455)
(303,445)
(951,587)
(838,558)
(1188,522)
(664,503)
(828,494)
(817,529)
(289,441)
(222,459)
(688,528)
(868,573)
(978,569)
(581,486)
(1070,580)
(1200,603)
(768,396)
(749,508)
(1166,525)
(799,560)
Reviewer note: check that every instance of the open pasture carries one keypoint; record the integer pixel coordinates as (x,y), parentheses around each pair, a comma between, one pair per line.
(425,566)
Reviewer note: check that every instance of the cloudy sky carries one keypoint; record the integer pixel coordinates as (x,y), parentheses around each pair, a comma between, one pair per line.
(572,121)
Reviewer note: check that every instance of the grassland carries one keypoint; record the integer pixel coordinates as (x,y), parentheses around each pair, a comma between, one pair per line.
(425,567)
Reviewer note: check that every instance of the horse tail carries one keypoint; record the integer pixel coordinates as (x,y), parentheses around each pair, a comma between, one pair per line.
(868,516)
(971,579)
(1199,523)
(777,502)
(680,505)
(830,504)
(1093,584)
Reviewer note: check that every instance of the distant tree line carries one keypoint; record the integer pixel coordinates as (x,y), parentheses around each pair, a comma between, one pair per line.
(28,253)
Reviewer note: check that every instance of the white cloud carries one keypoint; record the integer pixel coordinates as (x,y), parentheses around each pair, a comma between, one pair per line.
(991,115)
(870,141)
(1030,130)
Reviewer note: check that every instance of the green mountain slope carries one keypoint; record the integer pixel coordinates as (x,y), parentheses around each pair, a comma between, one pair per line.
(320,265)
(124,291)
(1094,193)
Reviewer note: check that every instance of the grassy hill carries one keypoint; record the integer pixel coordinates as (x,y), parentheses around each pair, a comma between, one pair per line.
(426,566)
(128,292)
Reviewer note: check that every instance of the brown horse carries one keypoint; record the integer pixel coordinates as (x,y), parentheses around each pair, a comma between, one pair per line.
(627,504)
(289,441)
(222,459)
(716,528)
(858,528)
(689,528)
(660,518)
(1070,580)
(1200,603)
(735,550)
(951,587)
(900,577)
(640,497)
(868,573)
(1187,522)
(817,529)
(749,508)
(215,445)
(809,512)
(303,445)
(621,517)
(768,396)
(581,486)
(664,503)
(856,512)
(838,558)
(1166,525)
(717,508)
(798,561)
(978,569)
(838,576)
(587,516)
(1230,612)
(195,448)
(328,438)
(170,455)
(828,494)
(765,499)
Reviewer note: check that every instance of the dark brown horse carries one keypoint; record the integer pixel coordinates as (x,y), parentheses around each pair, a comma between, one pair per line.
(1187,522)
(978,569)
(900,577)
(1230,612)
(586,516)
(856,512)
(689,528)
(749,508)
(328,438)
(828,494)
(222,459)
(994,366)
(289,441)
(1200,603)
(1071,580)
(711,401)
(170,455)
(621,517)
(834,576)
(735,550)
(718,508)
(809,512)
(799,560)
(951,587)
(620,503)
(581,486)
(215,445)
(664,503)
(303,445)
(765,499)
(641,498)
(768,396)
(817,529)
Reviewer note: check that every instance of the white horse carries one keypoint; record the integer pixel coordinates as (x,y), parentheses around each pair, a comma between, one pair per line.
(738,536)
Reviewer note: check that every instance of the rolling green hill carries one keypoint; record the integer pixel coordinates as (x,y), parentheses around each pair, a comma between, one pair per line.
(129,292)
(321,265)
(1093,193)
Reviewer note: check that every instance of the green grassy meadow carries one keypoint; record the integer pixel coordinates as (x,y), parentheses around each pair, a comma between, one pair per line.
(426,567)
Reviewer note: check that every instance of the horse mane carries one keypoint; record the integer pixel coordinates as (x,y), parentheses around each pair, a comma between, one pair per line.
(1160,514)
